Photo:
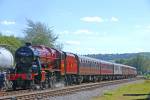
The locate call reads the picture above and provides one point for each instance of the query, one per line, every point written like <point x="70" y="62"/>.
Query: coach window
<point x="80" y="62"/>
<point x="96" y="65"/>
<point x="111" y="66"/>
<point x="83" y="63"/>
<point x="88" y="63"/>
<point x="93" y="63"/>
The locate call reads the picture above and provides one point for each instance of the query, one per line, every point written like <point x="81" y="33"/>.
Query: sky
<point x="84" y="26"/>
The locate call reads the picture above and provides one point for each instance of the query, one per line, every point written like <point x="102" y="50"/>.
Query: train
<point x="39" y="66"/>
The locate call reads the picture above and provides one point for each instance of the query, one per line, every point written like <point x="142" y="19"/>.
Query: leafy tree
<point x="138" y="62"/>
<point x="121" y="61"/>
<point x="39" y="34"/>
<point x="10" y="42"/>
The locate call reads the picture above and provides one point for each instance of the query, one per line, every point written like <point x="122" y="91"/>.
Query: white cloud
<point x="7" y="22"/>
<point x="92" y="50"/>
<point x="92" y="19"/>
<point x="137" y="26"/>
<point x="7" y="32"/>
<point x="78" y="32"/>
<point x="139" y="49"/>
<point x="114" y="19"/>
<point x="148" y="26"/>
<point x="65" y="32"/>
<point x="98" y="19"/>
<point x="147" y="30"/>
<point x="83" y="31"/>
<point x="72" y="42"/>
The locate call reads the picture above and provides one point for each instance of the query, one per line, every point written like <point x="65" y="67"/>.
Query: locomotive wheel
<point x="52" y="82"/>
<point x="66" y="81"/>
<point x="95" y="79"/>
<point x="46" y="84"/>
<point x="33" y="87"/>
<point x="42" y="85"/>
<point x="14" y="85"/>
<point x="7" y="85"/>
<point x="79" y="80"/>
<point x="27" y="84"/>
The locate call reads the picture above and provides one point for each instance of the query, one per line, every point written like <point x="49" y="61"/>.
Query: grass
<point x="137" y="88"/>
<point x="147" y="76"/>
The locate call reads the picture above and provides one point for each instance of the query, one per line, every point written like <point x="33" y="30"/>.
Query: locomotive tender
<point x="41" y="66"/>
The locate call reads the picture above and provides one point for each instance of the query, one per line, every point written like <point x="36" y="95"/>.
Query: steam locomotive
<point x="43" y="67"/>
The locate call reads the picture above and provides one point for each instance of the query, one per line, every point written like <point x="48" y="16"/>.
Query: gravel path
<point x="88" y="95"/>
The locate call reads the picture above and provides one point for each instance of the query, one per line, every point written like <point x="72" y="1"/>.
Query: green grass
<point x="147" y="76"/>
<point x="137" y="88"/>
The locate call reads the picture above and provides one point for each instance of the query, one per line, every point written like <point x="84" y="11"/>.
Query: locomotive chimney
<point x="28" y="44"/>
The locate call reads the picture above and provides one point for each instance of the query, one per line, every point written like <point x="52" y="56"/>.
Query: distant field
<point x="137" y="91"/>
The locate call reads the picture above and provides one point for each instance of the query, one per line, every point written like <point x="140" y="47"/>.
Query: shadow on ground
<point x="148" y="98"/>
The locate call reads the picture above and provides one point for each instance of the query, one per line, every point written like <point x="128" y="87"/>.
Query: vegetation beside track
<point x="137" y="91"/>
<point x="147" y="76"/>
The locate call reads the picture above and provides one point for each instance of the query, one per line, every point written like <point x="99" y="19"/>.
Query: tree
<point x="10" y="42"/>
<point x="121" y="61"/>
<point x="138" y="62"/>
<point x="39" y="34"/>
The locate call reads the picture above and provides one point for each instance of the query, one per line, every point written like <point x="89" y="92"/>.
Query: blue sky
<point x="84" y="26"/>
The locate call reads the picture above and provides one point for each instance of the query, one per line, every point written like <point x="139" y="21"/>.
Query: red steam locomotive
<point x="43" y="67"/>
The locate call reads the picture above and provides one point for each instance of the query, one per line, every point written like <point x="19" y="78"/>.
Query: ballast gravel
<point x="88" y="95"/>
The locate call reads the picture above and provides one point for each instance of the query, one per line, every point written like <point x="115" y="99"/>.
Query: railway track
<point x="34" y="95"/>
<point x="6" y="93"/>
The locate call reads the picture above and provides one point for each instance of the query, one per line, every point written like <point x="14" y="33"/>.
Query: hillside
<point x="112" y="57"/>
